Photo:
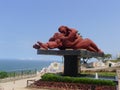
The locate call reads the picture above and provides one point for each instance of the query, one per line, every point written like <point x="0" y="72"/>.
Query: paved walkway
<point x="18" y="84"/>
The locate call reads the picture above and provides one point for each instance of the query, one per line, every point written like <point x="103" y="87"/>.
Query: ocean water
<point x="14" y="65"/>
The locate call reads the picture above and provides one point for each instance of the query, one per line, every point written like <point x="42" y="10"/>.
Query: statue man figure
<point x="68" y="38"/>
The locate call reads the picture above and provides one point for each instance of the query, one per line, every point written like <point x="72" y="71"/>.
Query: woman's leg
<point x="36" y="46"/>
<point x="51" y="45"/>
<point x="43" y="45"/>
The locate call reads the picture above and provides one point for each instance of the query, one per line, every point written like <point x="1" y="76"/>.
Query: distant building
<point x="118" y="64"/>
<point x="96" y="64"/>
<point x="110" y="64"/>
<point x="55" y="67"/>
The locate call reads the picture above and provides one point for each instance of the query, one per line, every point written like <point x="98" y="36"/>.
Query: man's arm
<point x="72" y="34"/>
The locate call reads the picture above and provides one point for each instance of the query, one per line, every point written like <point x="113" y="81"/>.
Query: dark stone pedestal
<point x="71" y="58"/>
<point x="71" y="65"/>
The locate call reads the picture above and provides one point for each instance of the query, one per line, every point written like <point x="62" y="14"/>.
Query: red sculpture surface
<point x="68" y="38"/>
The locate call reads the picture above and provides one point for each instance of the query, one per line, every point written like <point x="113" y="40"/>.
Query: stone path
<point x="18" y="84"/>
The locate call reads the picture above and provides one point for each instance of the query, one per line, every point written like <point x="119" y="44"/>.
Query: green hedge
<point x="3" y="74"/>
<point x="58" y="78"/>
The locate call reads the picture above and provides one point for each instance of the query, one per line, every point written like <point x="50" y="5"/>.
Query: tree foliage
<point x="3" y="74"/>
<point x="106" y="57"/>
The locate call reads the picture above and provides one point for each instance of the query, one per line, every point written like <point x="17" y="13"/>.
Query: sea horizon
<point x="26" y="64"/>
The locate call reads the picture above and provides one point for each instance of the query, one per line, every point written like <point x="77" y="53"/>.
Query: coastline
<point x="17" y="65"/>
<point x="21" y="84"/>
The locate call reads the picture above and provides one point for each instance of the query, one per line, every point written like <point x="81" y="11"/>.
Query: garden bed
<point x="69" y="86"/>
<point x="53" y="81"/>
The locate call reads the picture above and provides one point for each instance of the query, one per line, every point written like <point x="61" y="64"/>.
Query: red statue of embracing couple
<point x="68" y="38"/>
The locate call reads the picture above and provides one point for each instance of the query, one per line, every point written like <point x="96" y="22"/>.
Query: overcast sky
<point x="23" y="22"/>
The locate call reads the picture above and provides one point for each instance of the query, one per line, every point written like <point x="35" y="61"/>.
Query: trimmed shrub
<point x="50" y="77"/>
<point x="58" y="78"/>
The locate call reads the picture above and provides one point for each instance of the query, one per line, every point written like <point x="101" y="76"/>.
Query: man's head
<point x="63" y="29"/>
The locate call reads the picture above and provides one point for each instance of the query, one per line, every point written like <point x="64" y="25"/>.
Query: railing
<point x="19" y="74"/>
<point x="29" y="82"/>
